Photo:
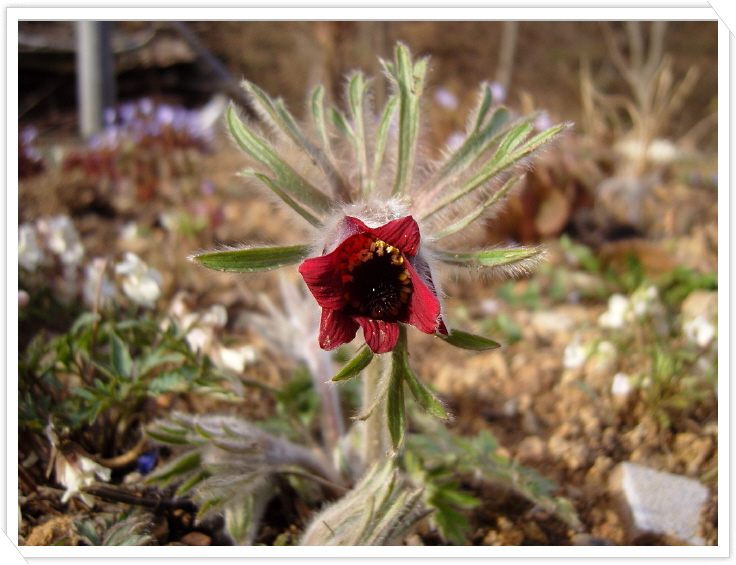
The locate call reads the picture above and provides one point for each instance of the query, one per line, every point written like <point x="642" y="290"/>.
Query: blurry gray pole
<point x="95" y="75"/>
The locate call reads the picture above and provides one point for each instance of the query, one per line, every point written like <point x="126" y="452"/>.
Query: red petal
<point x="402" y="233"/>
<point x="323" y="279"/>
<point x="381" y="336"/>
<point x="354" y="225"/>
<point x="336" y="328"/>
<point x="424" y="307"/>
<point x="345" y="228"/>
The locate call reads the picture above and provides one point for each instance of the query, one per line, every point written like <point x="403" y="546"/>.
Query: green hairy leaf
<point x="252" y="260"/>
<point x="409" y="81"/>
<point x="465" y="340"/>
<point x="355" y="365"/>
<point x="286" y="178"/>
<point x="491" y="257"/>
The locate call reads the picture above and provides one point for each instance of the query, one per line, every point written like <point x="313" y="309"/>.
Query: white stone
<point x="660" y="503"/>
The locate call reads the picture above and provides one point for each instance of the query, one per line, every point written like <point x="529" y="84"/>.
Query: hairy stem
<point x="375" y="443"/>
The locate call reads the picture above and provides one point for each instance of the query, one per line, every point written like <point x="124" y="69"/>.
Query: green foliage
<point x="671" y="386"/>
<point x="126" y="529"/>
<point x="502" y="324"/>
<point x="677" y="284"/>
<point x="439" y="460"/>
<point x="442" y="493"/>
<point x="674" y="286"/>
<point x="674" y="375"/>
<point x="530" y="297"/>
<point x="297" y="408"/>
<point x="105" y="367"/>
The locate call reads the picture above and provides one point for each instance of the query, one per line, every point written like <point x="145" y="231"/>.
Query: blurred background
<point x="625" y="203"/>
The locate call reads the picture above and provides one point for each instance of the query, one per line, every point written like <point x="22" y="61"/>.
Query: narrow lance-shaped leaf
<point x="342" y="125"/>
<point x="186" y="486"/>
<point x="252" y="260"/>
<point x="381" y="137"/>
<point x="504" y="158"/>
<point x="409" y="80"/>
<point x="174" y="469"/>
<point x="479" y="139"/>
<point x="395" y="408"/>
<point x="283" y="119"/>
<point x="122" y="362"/>
<point x="355" y="365"/>
<point x="475" y="145"/>
<point x="491" y="257"/>
<point x="499" y="162"/>
<point x="381" y="391"/>
<point x="363" y="526"/>
<point x="465" y="340"/>
<point x="486" y="99"/>
<point x="318" y="116"/>
<point x="356" y="102"/>
<point x="424" y="398"/>
<point x="478" y="211"/>
<point x="507" y="157"/>
<point x="289" y="181"/>
<point x="298" y="208"/>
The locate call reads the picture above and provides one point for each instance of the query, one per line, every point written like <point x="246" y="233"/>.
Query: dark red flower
<point x="374" y="279"/>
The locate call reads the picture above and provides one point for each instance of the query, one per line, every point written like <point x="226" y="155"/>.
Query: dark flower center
<point x="375" y="281"/>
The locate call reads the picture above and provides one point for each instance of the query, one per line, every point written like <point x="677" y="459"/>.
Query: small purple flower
<point x="498" y="91"/>
<point x="446" y="99"/>
<point x="146" y="462"/>
<point x="109" y="116"/>
<point x="166" y="114"/>
<point x="128" y="113"/>
<point x="146" y="106"/>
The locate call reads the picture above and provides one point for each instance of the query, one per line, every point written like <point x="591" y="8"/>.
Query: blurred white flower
<point x="658" y="151"/>
<point x="78" y="472"/>
<point x="30" y="254"/>
<point x="615" y="316"/>
<point x="643" y="303"/>
<point x="23" y="298"/>
<point x="94" y="278"/>
<point x="235" y="359"/>
<point x="141" y="283"/>
<point x="621" y="385"/>
<point x="62" y="238"/>
<point x="73" y="470"/>
<point x="200" y="340"/>
<point x="130" y="231"/>
<point x="644" y="300"/>
<point x="574" y="355"/>
<point x="699" y="330"/>
<point x="200" y="327"/>
<point x="215" y="316"/>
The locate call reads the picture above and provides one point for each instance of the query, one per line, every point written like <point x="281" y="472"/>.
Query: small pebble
<point x="196" y="538"/>
<point x="653" y="502"/>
